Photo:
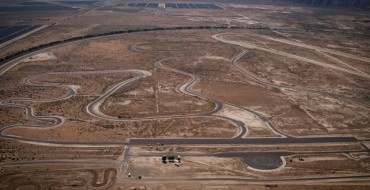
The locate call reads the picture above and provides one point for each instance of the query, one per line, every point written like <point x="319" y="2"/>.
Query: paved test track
<point x="186" y="89"/>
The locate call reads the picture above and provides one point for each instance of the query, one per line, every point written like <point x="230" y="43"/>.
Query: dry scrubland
<point x="310" y="79"/>
<point x="293" y="112"/>
<point x="218" y="167"/>
<point x="143" y="96"/>
<point x="13" y="151"/>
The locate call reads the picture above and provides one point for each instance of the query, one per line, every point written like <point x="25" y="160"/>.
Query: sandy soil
<point x="63" y="174"/>
<point x="255" y="127"/>
<point x="41" y="57"/>
<point x="217" y="167"/>
<point x="157" y="95"/>
<point x="323" y="50"/>
<point x="89" y="130"/>
<point x="14" y="116"/>
<point x="14" y="151"/>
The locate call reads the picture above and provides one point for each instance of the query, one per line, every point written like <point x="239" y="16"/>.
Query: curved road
<point x="260" y="81"/>
<point x="93" y="109"/>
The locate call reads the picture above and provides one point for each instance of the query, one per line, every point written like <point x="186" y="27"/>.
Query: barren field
<point x="211" y="167"/>
<point x="253" y="95"/>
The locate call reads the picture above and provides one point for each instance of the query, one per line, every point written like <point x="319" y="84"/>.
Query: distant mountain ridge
<point x="331" y="3"/>
<point x="311" y="3"/>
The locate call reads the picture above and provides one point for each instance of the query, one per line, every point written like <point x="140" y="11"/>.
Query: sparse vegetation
<point x="249" y="87"/>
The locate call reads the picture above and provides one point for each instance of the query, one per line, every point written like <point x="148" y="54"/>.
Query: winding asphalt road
<point x="260" y="81"/>
<point x="220" y="37"/>
<point x="271" y="160"/>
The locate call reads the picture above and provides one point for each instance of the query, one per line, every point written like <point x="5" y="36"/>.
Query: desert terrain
<point x="185" y="95"/>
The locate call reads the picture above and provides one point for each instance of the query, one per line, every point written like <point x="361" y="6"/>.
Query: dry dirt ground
<point x="306" y="76"/>
<point x="212" y="167"/>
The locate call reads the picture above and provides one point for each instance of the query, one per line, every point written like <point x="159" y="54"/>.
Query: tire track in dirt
<point x="220" y="37"/>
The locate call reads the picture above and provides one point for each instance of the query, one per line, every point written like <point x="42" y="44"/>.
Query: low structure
<point x="171" y="159"/>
